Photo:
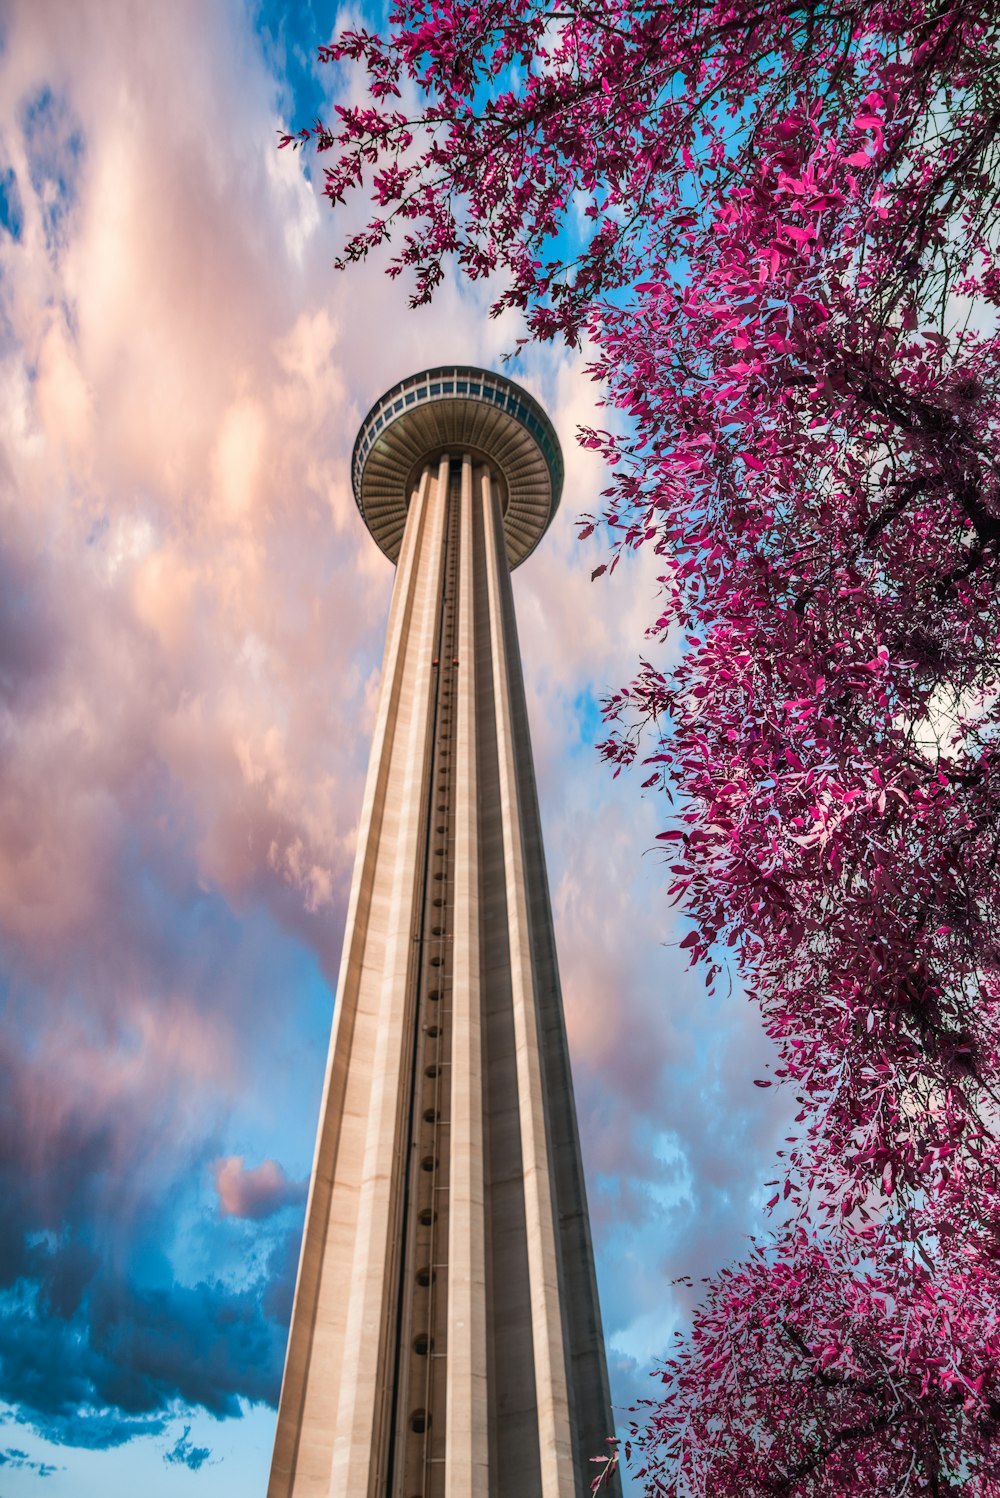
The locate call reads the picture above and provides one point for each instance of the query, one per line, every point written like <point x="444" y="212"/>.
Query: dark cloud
<point x="20" y="1461"/>
<point x="11" y="212"/>
<point x="183" y="1454"/>
<point x="54" y="146"/>
<point x="135" y="1350"/>
<point x="29" y="625"/>
<point x="282" y="1269"/>
<point x="132" y="1351"/>
<point x="99" y="1341"/>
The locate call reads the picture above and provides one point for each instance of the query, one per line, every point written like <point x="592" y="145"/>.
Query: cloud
<point x="19" y="1461"/>
<point x="183" y="1453"/>
<point x="100" y="1338"/>
<point x="136" y="1350"/>
<point x="255" y="1193"/>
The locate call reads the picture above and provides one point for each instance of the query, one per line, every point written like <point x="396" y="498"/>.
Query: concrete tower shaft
<point x="446" y="1338"/>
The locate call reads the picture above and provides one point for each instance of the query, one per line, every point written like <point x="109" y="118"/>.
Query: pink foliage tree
<point x="777" y="232"/>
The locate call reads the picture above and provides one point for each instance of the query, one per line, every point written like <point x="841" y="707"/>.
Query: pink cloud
<point x="255" y="1193"/>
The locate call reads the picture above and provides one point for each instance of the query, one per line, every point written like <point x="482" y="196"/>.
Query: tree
<point x="787" y="277"/>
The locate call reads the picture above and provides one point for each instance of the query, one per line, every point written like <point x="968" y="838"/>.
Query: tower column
<point x="445" y="1338"/>
<point x="554" y="1434"/>
<point x="467" y="1468"/>
<point x="379" y="1206"/>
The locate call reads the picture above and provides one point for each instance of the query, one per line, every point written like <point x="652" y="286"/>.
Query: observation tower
<point x="446" y="1336"/>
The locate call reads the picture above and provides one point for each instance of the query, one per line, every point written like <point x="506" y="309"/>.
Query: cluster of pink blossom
<point x="806" y="1372"/>
<point x="789" y="279"/>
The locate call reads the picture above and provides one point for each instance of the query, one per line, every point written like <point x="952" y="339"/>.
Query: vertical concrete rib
<point x="590" y="1400"/>
<point x="418" y="1436"/>
<point x="513" y="1426"/>
<point x="358" y="1438"/>
<point x="310" y="1386"/>
<point x="467" y="1460"/>
<point x="554" y="1423"/>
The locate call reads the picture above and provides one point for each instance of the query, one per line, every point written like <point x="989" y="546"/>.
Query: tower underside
<point x="446" y="1335"/>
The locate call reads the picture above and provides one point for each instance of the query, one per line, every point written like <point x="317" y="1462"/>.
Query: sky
<point x="191" y="624"/>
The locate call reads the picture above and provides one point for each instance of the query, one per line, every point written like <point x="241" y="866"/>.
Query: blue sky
<point x="191" y="621"/>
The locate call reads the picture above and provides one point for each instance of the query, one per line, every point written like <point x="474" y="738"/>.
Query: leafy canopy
<point x="776" y="228"/>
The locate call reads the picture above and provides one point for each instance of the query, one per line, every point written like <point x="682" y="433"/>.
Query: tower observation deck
<point x="446" y="1337"/>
